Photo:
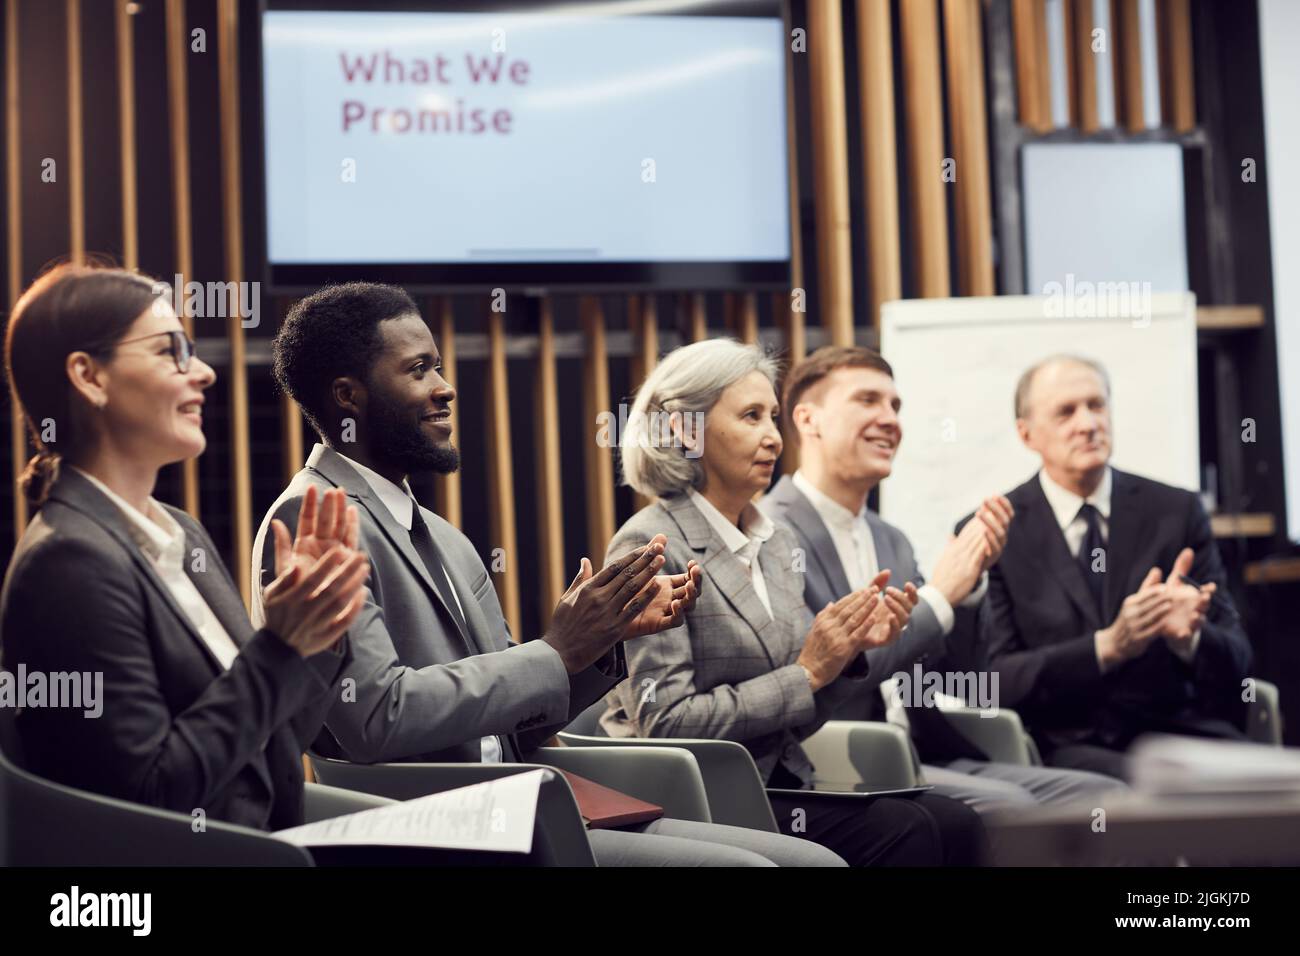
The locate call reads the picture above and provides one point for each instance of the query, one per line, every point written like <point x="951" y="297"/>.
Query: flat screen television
<point x="607" y="145"/>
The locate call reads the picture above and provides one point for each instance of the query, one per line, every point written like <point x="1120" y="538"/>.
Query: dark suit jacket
<point x="424" y="690"/>
<point x="922" y="641"/>
<point x="1038" y="623"/>
<point x="177" y="731"/>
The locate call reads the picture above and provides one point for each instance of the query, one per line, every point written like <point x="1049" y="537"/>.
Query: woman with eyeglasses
<point x="193" y="710"/>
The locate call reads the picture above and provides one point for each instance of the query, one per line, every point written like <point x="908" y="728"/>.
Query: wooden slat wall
<point x="550" y="503"/>
<point x="968" y="121"/>
<point x="14" y="242"/>
<point x="447" y="487"/>
<point x="233" y="233"/>
<point x="830" y="149"/>
<point x="1129" y="90"/>
<point x="501" y="495"/>
<point x="924" y="111"/>
<point x="1177" y="84"/>
<point x="880" y="163"/>
<point x="76" y="147"/>
<point x="643" y="321"/>
<point x="1084" y="74"/>
<point x="1031" y="64"/>
<point x="178" y="114"/>
<point x="599" y="462"/>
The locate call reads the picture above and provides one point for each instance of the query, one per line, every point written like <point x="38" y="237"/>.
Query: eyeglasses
<point x="181" y="345"/>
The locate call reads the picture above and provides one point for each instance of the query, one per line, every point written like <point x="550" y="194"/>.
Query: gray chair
<point x="843" y="752"/>
<point x="1004" y="739"/>
<point x="43" y="823"/>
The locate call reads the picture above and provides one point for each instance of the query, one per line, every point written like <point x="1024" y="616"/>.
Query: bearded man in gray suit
<point x="841" y="405"/>
<point x="434" y="674"/>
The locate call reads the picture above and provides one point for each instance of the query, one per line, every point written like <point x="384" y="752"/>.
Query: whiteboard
<point x="956" y="363"/>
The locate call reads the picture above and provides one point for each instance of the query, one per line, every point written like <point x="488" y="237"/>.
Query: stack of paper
<point x="497" y="815"/>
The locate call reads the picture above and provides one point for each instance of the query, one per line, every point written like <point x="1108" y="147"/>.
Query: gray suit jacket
<point x="729" y="671"/>
<point x="424" y="690"/>
<point x="922" y="640"/>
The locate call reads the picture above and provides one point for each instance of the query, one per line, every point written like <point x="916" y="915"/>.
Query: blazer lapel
<point x="331" y="466"/>
<point x="219" y="594"/>
<point x="1047" y="540"/>
<point x="808" y="524"/>
<point x="1126" y="532"/>
<point x="885" y="556"/>
<point x="76" y="492"/>
<point x="724" y="569"/>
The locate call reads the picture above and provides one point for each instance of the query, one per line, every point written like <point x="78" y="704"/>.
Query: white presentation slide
<point x="555" y="137"/>
<point x="1279" y="34"/>
<point x="957" y="361"/>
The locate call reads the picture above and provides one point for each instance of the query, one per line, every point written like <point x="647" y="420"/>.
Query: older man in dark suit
<point x="1093" y="643"/>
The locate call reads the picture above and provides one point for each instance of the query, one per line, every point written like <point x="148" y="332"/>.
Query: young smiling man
<point x="1094" y="647"/>
<point x="841" y="406"/>
<point x="434" y="675"/>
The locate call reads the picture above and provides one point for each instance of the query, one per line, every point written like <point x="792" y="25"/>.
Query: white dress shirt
<point x="1065" y="506"/>
<point x="744" y="541"/>
<point x="162" y="540"/>
<point x="401" y="505"/>
<point x="856" y="546"/>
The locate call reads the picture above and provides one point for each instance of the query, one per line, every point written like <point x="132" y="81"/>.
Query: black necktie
<point x="428" y="552"/>
<point x="1092" y="549"/>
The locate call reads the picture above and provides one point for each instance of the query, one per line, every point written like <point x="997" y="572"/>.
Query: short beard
<point x="396" y="439"/>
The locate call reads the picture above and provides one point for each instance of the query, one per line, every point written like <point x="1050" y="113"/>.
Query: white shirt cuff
<point x="973" y="599"/>
<point x="1188" y="651"/>
<point x="932" y="596"/>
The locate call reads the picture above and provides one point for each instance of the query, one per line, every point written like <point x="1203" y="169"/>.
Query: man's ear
<point x="1022" y="429"/>
<point x="88" y="377"/>
<point x="804" y="418"/>
<point x="348" y="395"/>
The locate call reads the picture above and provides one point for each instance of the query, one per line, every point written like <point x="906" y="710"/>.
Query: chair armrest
<point x="731" y="780"/>
<point x="324" y="803"/>
<point x="862" y="751"/>
<point x="999" y="734"/>
<point x="559" y="839"/>
<point x="665" y="776"/>
<point x="1264" y="715"/>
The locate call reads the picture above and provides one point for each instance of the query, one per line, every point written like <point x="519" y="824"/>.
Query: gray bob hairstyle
<point x="683" y="388"/>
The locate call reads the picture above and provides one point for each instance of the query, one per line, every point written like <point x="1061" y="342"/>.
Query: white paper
<point x="496" y="815"/>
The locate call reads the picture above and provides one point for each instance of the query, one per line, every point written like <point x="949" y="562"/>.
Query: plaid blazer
<point x="728" y="672"/>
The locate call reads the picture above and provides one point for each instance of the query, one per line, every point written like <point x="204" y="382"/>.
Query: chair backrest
<point x="43" y="823"/>
<point x="587" y="723"/>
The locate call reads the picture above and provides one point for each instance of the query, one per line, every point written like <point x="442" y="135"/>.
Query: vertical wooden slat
<point x="14" y="244"/>
<point x="1130" y="66"/>
<point x="747" y="318"/>
<point x="924" y="109"/>
<point x="831" y="169"/>
<point x="599" y="461"/>
<point x="126" y="133"/>
<point x="446" y="488"/>
<point x="789" y="321"/>
<point x="969" y="125"/>
<point x="697" y="317"/>
<point x="501" y="496"/>
<point x="1085" y="66"/>
<point x="1177" y="85"/>
<point x="643" y="320"/>
<point x="879" y="153"/>
<point x="292" y="454"/>
<point x="550" y="501"/>
<point x="1071" y="66"/>
<point x="1031" y="64"/>
<point x="233" y="230"/>
<point x="76" y="140"/>
<point x="178" y="114"/>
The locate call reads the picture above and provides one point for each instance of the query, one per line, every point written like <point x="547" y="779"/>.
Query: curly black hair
<point x="331" y="333"/>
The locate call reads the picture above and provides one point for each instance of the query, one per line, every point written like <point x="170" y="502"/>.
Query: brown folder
<point x="605" y="809"/>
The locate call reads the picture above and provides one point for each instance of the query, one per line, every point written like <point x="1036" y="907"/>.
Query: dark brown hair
<point x="71" y="308"/>
<point x="812" y="371"/>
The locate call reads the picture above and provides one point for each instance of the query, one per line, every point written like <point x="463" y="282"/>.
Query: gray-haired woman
<point x="751" y="663"/>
